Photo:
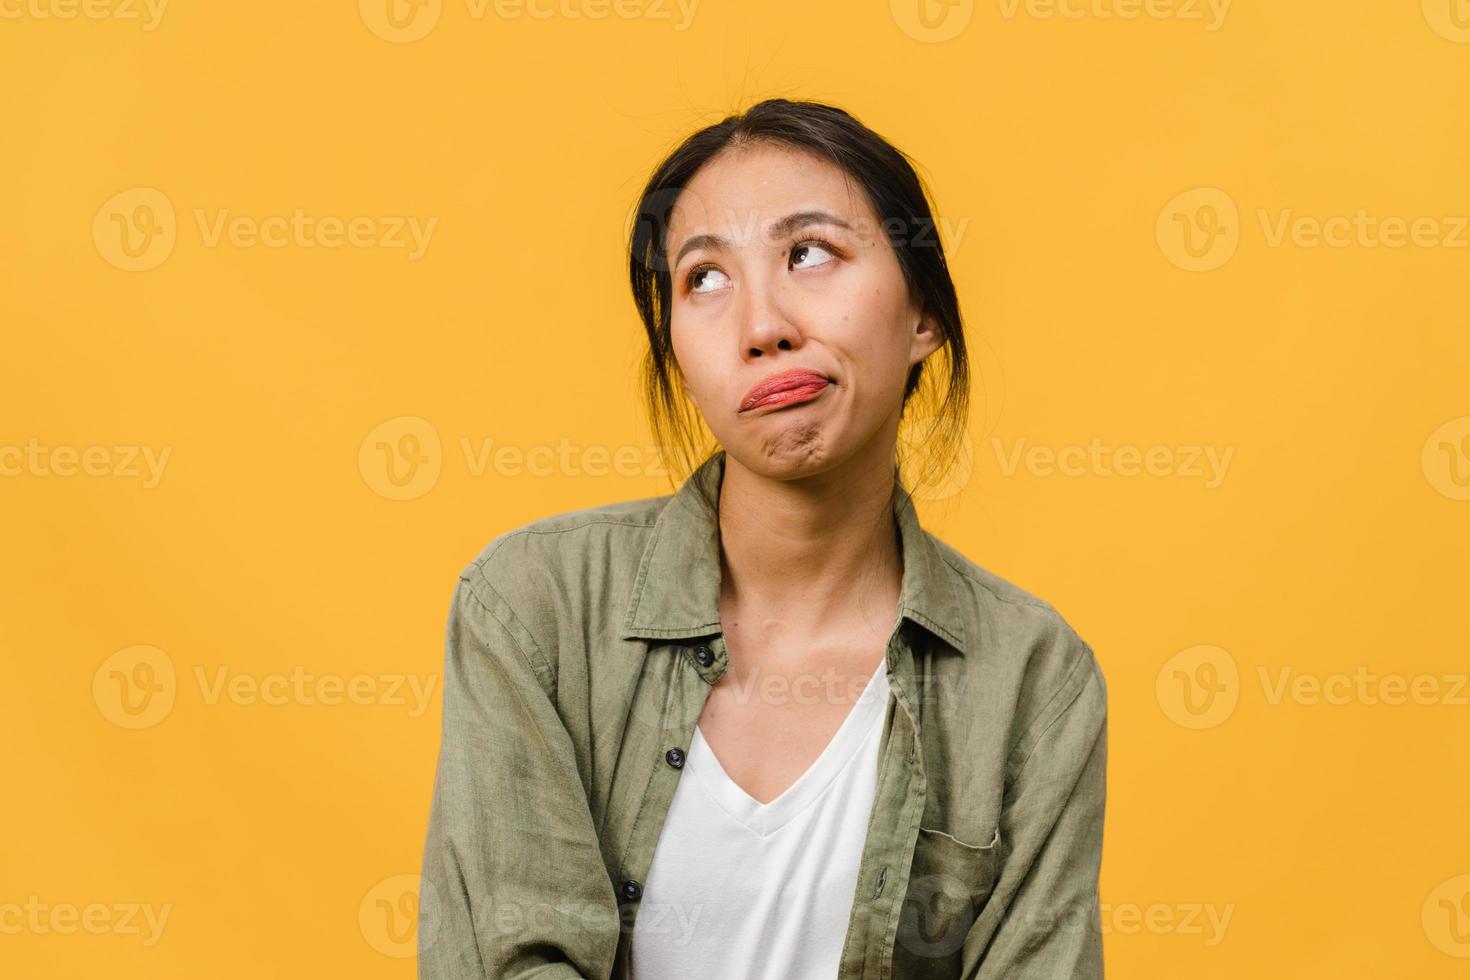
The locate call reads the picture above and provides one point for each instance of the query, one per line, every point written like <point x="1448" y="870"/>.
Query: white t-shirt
<point x="744" y="890"/>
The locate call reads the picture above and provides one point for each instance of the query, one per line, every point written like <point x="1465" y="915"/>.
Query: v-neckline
<point x="764" y="819"/>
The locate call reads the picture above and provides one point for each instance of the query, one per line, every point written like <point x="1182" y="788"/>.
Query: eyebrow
<point x="791" y="223"/>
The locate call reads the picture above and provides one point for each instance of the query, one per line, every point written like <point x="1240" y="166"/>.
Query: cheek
<point x="687" y="362"/>
<point x="874" y="337"/>
<point x="872" y="322"/>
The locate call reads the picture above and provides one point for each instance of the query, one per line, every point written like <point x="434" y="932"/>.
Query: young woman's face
<point x="780" y="265"/>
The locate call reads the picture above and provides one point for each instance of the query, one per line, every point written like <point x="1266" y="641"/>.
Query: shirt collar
<point x="676" y="593"/>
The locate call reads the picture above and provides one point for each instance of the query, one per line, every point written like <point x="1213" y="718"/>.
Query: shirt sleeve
<point x="513" y="882"/>
<point x="1044" y="920"/>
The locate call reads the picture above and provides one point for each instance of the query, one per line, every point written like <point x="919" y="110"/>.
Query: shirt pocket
<point x="949" y="884"/>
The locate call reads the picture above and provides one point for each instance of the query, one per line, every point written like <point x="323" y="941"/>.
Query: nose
<point x="765" y="326"/>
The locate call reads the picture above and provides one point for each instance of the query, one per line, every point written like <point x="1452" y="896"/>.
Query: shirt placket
<point x="893" y="829"/>
<point x="687" y="673"/>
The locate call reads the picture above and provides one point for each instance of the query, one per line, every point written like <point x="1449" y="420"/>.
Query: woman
<point x="768" y="726"/>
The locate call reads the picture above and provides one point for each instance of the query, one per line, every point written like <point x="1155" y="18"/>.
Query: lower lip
<point x="791" y="396"/>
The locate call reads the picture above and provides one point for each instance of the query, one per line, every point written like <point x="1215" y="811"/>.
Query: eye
<point x="807" y="255"/>
<point x="815" y="248"/>
<point x="699" y="278"/>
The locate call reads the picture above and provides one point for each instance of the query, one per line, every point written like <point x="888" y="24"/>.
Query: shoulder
<point x="535" y="566"/>
<point x="1024" y="642"/>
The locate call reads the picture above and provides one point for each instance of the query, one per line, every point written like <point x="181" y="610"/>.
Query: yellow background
<point x="1332" y="835"/>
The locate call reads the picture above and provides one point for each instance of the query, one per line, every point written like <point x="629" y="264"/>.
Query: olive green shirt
<point x="580" y="651"/>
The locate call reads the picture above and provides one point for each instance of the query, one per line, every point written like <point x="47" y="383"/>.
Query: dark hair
<point x="898" y="199"/>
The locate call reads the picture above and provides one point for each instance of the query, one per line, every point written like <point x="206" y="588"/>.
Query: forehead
<point x="742" y="188"/>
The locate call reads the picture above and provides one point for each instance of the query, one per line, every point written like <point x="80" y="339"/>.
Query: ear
<point x="927" y="336"/>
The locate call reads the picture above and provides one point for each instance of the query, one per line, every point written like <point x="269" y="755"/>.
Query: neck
<point x="799" y="557"/>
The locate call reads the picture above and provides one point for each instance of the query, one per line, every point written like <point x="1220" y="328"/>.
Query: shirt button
<point x="675" y="757"/>
<point x="703" y="655"/>
<point x="631" y="890"/>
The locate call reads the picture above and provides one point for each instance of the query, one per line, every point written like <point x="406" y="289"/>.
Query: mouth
<point x="785" y="388"/>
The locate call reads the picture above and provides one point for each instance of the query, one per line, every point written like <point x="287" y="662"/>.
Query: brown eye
<point x="814" y="250"/>
<point x="699" y="279"/>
